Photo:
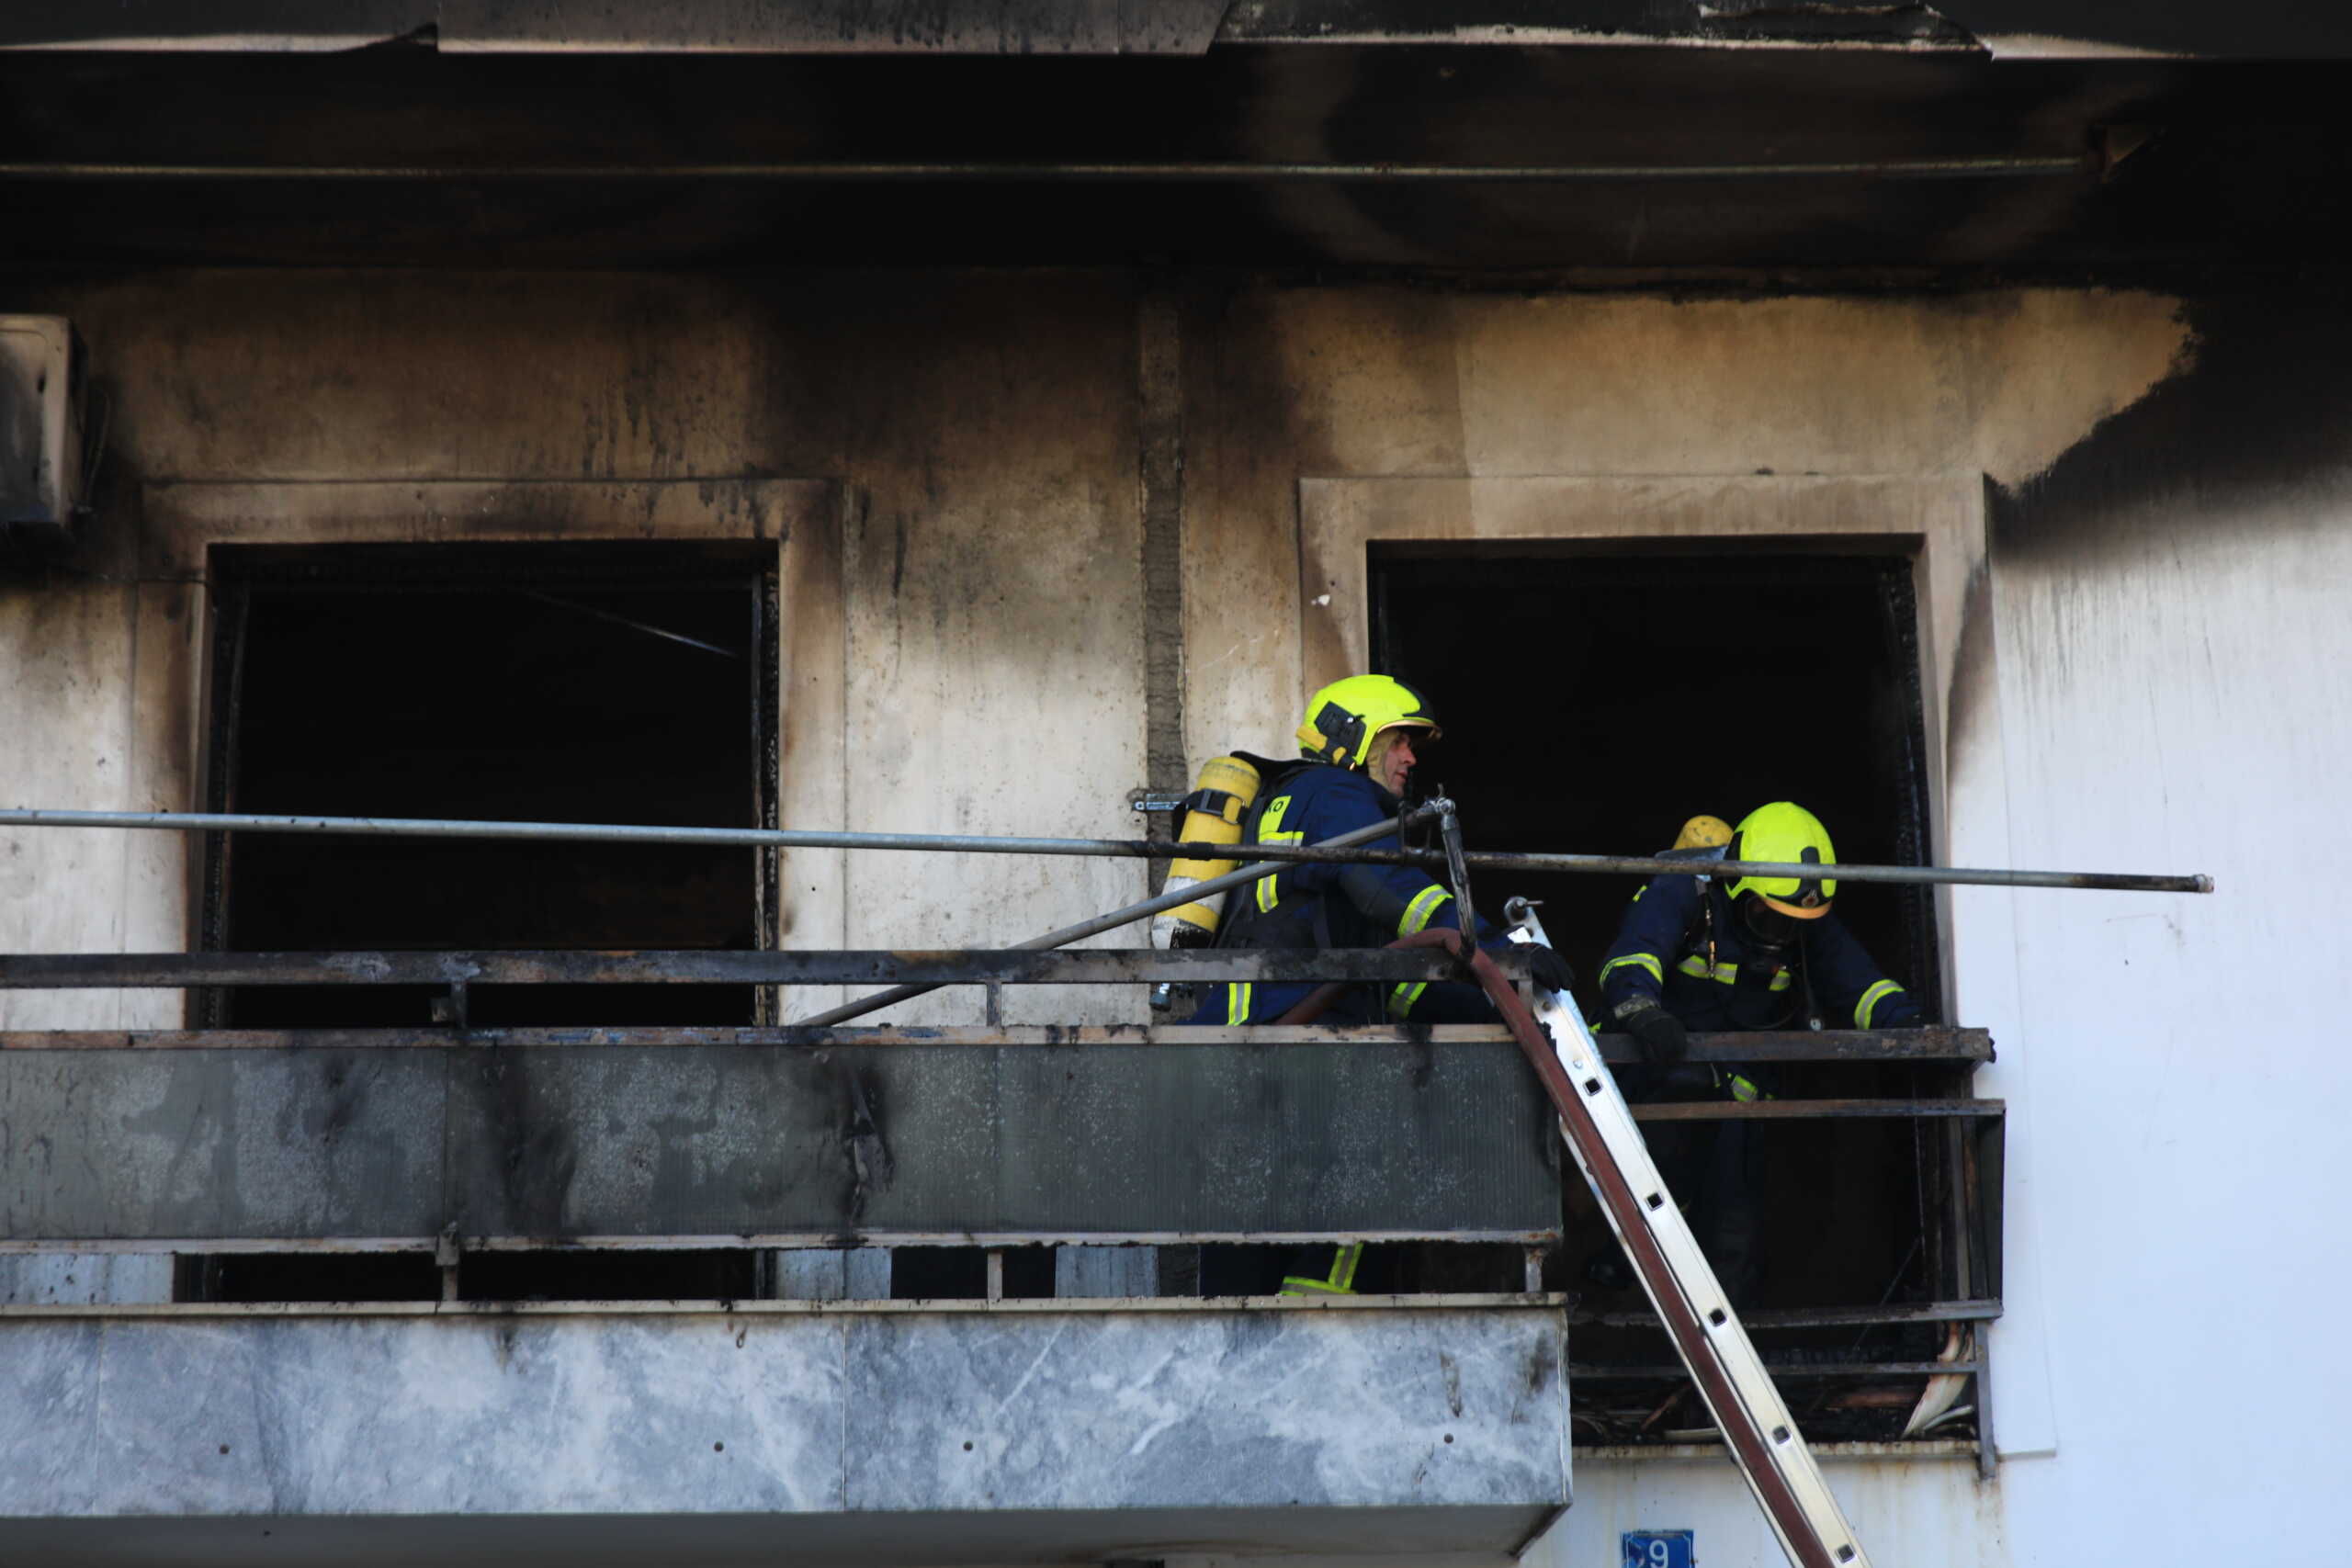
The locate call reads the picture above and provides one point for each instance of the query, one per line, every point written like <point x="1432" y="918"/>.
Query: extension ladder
<point x="1601" y="1133"/>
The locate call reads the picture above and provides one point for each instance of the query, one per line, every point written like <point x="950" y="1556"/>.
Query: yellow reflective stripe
<point x="1344" y="1267"/>
<point x="1340" y="1282"/>
<point x="1270" y="832"/>
<point x="1417" y="913"/>
<point x="1269" y="887"/>
<point x="1871" y="999"/>
<point x="1237" y="1002"/>
<point x="1643" y="959"/>
<point x="1272" y="821"/>
<point x="1696" y="967"/>
<point x="1401" y="999"/>
<point x="1742" y="1086"/>
<point x="1268" y="894"/>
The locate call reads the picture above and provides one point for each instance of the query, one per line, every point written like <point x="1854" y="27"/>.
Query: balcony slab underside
<point x="878" y="1437"/>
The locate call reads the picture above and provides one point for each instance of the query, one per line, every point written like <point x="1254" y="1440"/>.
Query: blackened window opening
<point x="555" y="682"/>
<point x="539" y="1274"/>
<point x="1592" y="701"/>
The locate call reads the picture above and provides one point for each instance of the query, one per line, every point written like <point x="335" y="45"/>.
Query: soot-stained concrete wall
<point x="2142" y="672"/>
<point x="1367" y="382"/>
<point x="978" y="603"/>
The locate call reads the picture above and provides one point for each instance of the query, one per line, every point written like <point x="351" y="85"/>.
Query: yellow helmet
<point x="1344" y="717"/>
<point x="1703" y="832"/>
<point x="1788" y="832"/>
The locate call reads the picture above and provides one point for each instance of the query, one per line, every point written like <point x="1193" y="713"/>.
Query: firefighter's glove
<point x="1659" y="1033"/>
<point x="1547" y="968"/>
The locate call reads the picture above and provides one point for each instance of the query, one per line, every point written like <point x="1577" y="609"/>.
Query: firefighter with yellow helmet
<point x="1359" y="743"/>
<point x="1693" y="952"/>
<point x="1760" y="953"/>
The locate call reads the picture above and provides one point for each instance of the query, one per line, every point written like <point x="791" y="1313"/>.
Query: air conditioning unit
<point x="40" y="430"/>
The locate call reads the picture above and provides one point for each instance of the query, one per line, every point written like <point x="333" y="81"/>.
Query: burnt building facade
<point x="902" y="420"/>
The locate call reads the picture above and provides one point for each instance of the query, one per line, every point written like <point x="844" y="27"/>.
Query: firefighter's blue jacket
<point x="1662" y="952"/>
<point x="1320" y="904"/>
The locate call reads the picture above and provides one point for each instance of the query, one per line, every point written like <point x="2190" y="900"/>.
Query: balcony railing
<point x="800" y="1141"/>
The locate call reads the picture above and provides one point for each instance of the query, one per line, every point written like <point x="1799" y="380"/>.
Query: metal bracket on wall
<point x="447" y="1255"/>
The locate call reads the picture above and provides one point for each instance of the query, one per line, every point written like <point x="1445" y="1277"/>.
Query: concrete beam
<point x="878" y="1437"/>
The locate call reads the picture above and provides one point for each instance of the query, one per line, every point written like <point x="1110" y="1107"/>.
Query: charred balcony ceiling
<point x="1485" y="154"/>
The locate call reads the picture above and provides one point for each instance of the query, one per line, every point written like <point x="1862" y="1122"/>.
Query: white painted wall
<point x="2175" y="690"/>
<point x="2174" y="695"/>
<point x="1909" y="1513"/>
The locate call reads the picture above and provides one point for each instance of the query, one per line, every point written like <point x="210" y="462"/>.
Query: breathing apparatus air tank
<point x="1213" y="815"/>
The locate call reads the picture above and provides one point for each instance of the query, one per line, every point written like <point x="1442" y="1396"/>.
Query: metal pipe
<point x="1819" y="1317"/>
<point x="1816" y="1110"/>
<point x="600" y="833"/>
<point x="1781" y="1369"/>
<point x="1159" y="172"/>
<point x="1152" y="905"/>
<point x="1651" y="865"/>
<point x="944" y="967"/>
<point x="1457" y="870"/>
<point x="1336" y="851"/>
<point x="1952" y="1046"/>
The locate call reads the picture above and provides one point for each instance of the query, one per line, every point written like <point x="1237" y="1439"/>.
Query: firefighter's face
<point x="1392" y="766"/>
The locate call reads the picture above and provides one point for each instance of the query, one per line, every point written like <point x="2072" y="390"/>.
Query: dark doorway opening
<point x="624" y="684"/>
<point x="1594" y="699"/>
<point x="1594" y="702"/>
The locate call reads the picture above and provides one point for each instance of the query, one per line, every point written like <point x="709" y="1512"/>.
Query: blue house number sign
<point x="1659" y="1549"/>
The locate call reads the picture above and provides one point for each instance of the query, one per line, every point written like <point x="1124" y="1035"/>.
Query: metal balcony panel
<point x="302" y="1146"/>
<point x="116" y="1145"/>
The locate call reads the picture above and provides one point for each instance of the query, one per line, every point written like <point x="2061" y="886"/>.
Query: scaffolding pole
<point x="1172" y="899"/>
<point x="1342" y="850"/>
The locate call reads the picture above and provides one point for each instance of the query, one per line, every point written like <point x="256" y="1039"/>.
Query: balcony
<point x="1091" y="1389"/>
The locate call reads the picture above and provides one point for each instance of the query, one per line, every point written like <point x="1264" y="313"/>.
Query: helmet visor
<point x="1769" y="921"/>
